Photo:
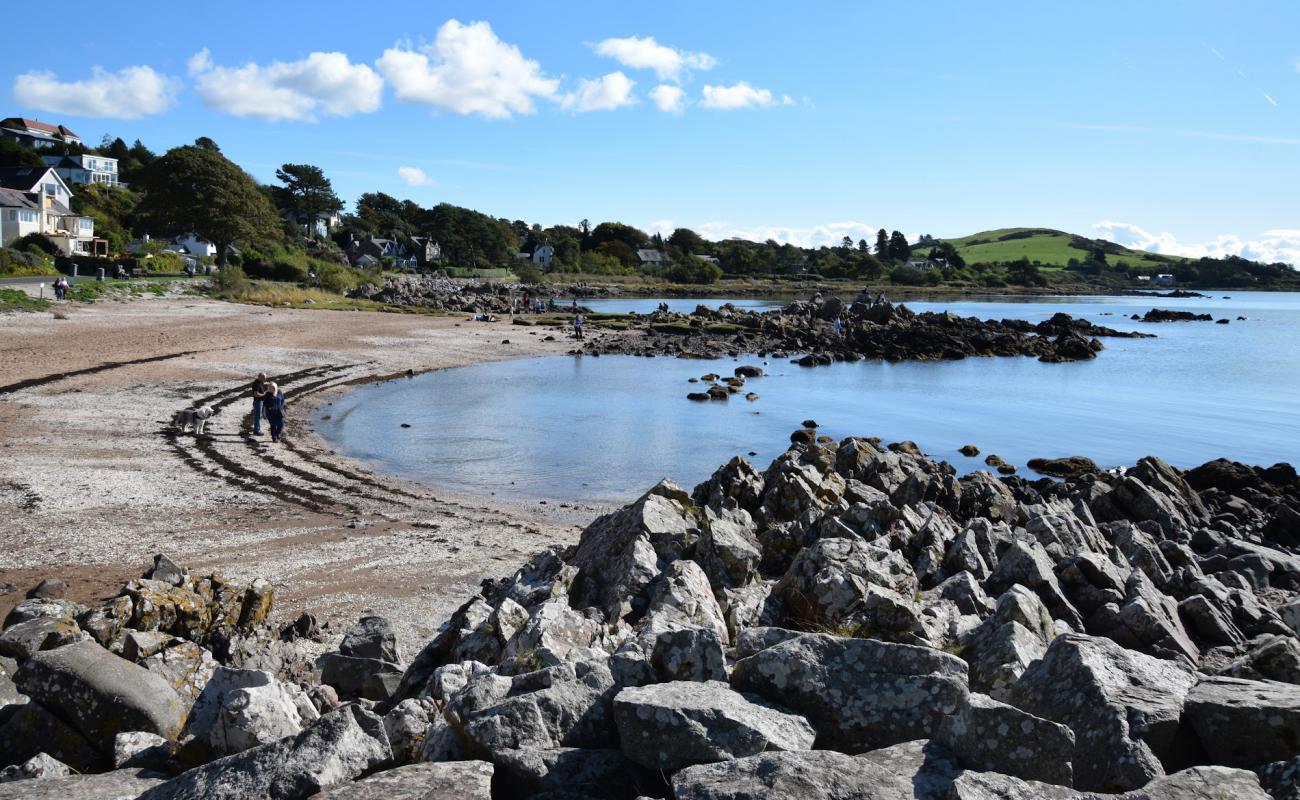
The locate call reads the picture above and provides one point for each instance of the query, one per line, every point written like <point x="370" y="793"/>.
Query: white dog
<point x="196" y="418"/>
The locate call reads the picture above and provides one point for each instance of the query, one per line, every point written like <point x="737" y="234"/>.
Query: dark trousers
<point x="277" y="425"/>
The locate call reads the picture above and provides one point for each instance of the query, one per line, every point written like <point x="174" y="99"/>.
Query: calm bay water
<point x="607" y="428"/>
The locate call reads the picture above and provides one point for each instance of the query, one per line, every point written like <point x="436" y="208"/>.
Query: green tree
<point x="198" y="190"/>
<point x="899" y="250"/>
<point x="13" y="154"/>
<point x="882" y="244"/>
<point x="307" y="191"/>
<point x="688" y="241"/>
<point x="205" y="143"/>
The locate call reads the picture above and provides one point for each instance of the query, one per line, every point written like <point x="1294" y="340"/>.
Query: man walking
<point x="260" y="388"/>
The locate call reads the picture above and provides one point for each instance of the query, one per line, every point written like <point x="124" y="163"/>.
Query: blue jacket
<point x="274" y="404"/>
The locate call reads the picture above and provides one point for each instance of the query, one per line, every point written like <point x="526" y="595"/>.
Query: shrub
<point x="907" y="276"/>
<point x="231" y="281"/>
<point x="338" y="278"/>
<point x="526" y="272"/>
<point x="693" y="271"/>
<point x="37" y="240"/>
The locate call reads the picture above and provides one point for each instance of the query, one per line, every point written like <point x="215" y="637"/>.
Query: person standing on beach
<point x="577" y="326"/>
<point x="259" y="402"/>
<point x="274" y="402"/>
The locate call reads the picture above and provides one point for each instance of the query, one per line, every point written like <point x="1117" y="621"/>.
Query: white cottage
<point x="41" y="190"/>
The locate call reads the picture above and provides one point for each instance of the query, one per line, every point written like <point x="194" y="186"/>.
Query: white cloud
<point x="126" y="94"/>
<point x="601" y="94"/>
<point x="740" y="95"/>
<point x="669" y="98"/>
<point x="320" y="84"/>
<point x="1270" y="246"/>
<point x="414" y="176"/>
<point x="830" y="234"/>
<point x="467" y="70"/>
<point x="669" y="63"/>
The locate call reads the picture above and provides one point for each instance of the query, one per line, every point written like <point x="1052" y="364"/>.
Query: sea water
<point x="606" y="428"/>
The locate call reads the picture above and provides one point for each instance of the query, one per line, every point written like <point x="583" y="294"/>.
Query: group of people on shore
<point x="268" y="403"/>
<point x="61" y="288"/>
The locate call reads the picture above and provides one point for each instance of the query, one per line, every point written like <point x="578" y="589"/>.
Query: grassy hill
<point x="1048" y="247"/>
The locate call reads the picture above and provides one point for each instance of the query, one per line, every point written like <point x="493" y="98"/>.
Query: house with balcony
<point x="42" y="191"/>
<point x="36" y="134"/>
<point x="85" y="169"/>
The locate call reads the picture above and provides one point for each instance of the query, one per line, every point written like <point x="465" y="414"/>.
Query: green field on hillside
<point x="1050" y="247"/>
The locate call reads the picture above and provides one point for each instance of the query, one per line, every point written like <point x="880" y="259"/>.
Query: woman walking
<point x="274" y="405"/>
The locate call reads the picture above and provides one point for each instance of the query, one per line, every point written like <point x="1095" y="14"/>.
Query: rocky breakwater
<point x="851" y="622"/>
<point x="439" y="293"/>
<point x="822" y="331"/>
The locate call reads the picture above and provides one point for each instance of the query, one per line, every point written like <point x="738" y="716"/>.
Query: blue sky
<point x="1173" y="126"/>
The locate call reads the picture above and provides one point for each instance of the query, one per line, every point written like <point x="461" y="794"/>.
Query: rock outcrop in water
<point x="1167" y="315"/>
<point x="438" y="293"/>
<point x="852" y="622"/>
<point x="884" y="331"/>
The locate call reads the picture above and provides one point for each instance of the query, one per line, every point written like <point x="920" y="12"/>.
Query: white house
<point x="544" y="255"/>
<point x="37" y="134"/>
<point x="43" y="191"/>
<point x="1165" y="279"/>
<point x="85" y="169"/>
<point x="321" y="224"/>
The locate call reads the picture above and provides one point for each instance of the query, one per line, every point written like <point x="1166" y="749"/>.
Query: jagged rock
<point x="751" y="640"/>
<point x="553" y="634"/>
<point x="39" y="766"/>
<point x="406" y="725"/>
<point x="1207" y="622"/>
<point x="39" y="607"/>
<point x="564" y="706"/>
<point x="1243" y="723"/>
<point x="736" y="481"/>
<point x="9" y="694"/>
<point x="682" y="597"/>
<point x="1005" y="644"/>
<point x="1273" y="658"/>
<point x="23" y="640"/>
<point x="859" y="694"/>
<point x="689" y="654"/>
<point x="101" y="694"/>
<point x="585" y="773"/>
<point x="360" y="677"/>
<point x="462" y="780"/>
<point x="337" y="748"/>
<point x="807" y="775"/>
<point x="671" y="725"/>
<point x="241" y="709"/>
<point x="1028" y="564"/>
<point x="132" y="746"/>
<point x="1122" y="706"/>
<point x="185" y="666"/>
<point x="371" y="637"/>
<point x="1148" y="622"/>
<point x="1198" y="783"/>
<point x="1281" y="779"/>
<point x="794" y="484"/>
<point x="166" y="570"/>
<point x="117" y="785"/>
<point x="728" y="549"/>
<point x="828" y="580"/>
<point x="620" y="553"/>
<point x="995" y="737"/>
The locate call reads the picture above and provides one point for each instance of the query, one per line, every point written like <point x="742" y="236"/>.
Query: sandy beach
<point x="93" y="482"/>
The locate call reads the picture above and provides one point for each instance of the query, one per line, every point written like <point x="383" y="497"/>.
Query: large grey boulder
<point x="39" y="766"/>
<point x="1198" y="783"/>
<point x="859" y="694"/>
<point x="29" y="729"/>
<point x="828" y="581"/>
<point x="995" y="737"/>
<point x="584" y="772"/>
<point x="185" y="666"/>
<point x="1123" y="707"/>
<point x="21" y="641"/>
<point x="1271" y="658"/>
<point x="368" y="678"/>
<point x="101" y="694"/>
<point x="122" y="784"/>
<point x="565" y="706"/>
<point x="620" y="553"/>
<point x="339" y="747"/>
<point x="680" y="598"/>
<point x="1243" y="723"/>
<point x="371" y="637"/>
<point x="1004" y="645"/>
<point x="554" y="634"/>
<point x="243" y="708"/>
<point x="728" y="549"/>
<point x="807" y="775"/>
<point x="454" y="780"/>
<point x="667" y="726"/>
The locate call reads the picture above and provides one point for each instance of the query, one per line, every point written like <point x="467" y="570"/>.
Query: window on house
<point x="25" y="216"/>
<point x="13" y="215"/>
<point x="51" y="188"/>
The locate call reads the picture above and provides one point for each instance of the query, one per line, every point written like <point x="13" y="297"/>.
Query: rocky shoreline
<point x="824" y="330"/>
<point x="855" y="621"/>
